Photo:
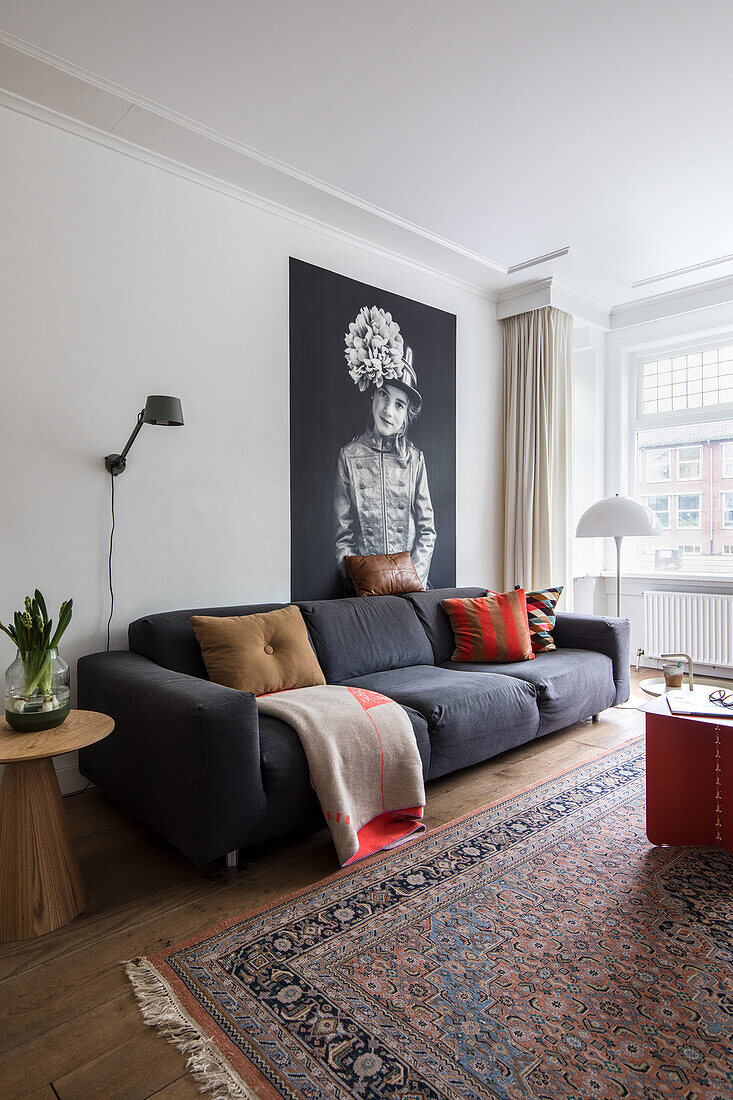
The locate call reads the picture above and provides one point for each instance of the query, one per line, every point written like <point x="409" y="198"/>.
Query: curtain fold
<point x="538" y="450"/>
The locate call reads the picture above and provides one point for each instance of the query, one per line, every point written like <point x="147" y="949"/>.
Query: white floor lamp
<point x="616" y="517"/>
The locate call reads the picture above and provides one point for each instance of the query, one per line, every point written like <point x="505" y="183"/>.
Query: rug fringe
<point x="161" y="1009"/>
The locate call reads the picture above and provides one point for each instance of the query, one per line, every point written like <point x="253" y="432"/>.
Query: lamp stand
<point x="618" y="539"/>
<point x="116" y="463"/>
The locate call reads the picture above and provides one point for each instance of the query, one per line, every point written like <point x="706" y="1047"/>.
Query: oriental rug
<point x="539" y="948"/>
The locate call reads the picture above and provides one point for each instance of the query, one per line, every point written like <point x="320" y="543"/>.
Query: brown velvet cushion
<point x="259" y="653"/>
<point x="383" y="574"/>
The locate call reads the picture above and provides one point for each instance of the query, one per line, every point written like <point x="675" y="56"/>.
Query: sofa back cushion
<point x="259" y="653"/>
<point x="354" y="637"/>
<point x="169" y="640"/>
<point x="436" y="623"/>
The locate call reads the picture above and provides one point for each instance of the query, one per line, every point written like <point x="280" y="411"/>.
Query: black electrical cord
<point x="109" y="564"/>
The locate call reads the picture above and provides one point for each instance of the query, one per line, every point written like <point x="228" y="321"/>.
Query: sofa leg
<point x="232" y="859"/>
<point x="595" y="718"/>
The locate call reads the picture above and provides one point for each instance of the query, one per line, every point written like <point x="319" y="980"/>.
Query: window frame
<point x="668" y="497"/>
<point x="688" y="527"/>
<point x="659" y="480"/>
<point x="631" y="362"/>
<point x="723" y="509"/>
<point x="678" y="454"/>
<point x="723" y="460"/>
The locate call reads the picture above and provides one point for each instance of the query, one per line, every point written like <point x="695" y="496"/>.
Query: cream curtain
<point x="537" y="450"/>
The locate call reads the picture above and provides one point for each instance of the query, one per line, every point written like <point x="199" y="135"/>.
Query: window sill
<point x="674" y="576"/>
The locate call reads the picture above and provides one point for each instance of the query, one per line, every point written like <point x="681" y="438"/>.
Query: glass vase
<point x="36" y="691"/>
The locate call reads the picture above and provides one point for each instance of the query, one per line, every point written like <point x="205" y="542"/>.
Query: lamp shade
<point x="163" y="410"/>
<point x="617" y="516"/>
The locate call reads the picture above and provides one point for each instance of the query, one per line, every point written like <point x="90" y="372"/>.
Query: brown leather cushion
<point x="258" y="653"/>
<point x="383" y="574"/>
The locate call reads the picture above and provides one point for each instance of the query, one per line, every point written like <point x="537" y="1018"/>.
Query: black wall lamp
<point x="158" y="410"/>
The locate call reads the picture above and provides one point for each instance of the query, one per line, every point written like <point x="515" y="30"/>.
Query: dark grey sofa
<point x="195" y="762"/>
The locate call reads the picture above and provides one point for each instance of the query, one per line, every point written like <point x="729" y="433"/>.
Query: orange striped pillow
<point x="491" y="628"/>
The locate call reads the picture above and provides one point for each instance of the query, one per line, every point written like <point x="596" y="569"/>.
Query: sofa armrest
<point x="609" y="636"/>
<point x="184" y="756"/>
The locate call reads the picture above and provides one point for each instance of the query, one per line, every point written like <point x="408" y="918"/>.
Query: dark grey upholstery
<point x="196" y="763"/>
<point x="596" y="632"/>
<point x="470" y="716"/>
<point x="184" y="755"/>
<point x="571" y="684"/>
<point x="169" y="640"/>
<point x="435" y="620"/>
<point x="358" y="635"/>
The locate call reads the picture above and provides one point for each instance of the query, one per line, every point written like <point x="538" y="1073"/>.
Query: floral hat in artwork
<point x="376" y="354"/>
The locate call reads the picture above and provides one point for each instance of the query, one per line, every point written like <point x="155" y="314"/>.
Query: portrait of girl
<point x="372" y="432"/>
<point x="382" y="499"/>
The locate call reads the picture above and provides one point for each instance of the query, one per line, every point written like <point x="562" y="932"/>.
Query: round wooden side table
<point x="41" y="887"/>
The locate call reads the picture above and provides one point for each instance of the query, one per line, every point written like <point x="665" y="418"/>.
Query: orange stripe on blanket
<point x="387" y="830"/>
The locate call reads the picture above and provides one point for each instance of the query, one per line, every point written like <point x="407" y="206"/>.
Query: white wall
<point x="118" y="280"/>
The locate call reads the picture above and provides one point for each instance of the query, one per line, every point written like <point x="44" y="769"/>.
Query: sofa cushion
<point x="436" y="623"/>
<point x="353" y="637"/>
<point x="541" y="618"/>
<point x="259" y="653"/>
<point x="571" y="684"/>
<point x="168" y="638"/>
<point x="383" y="574"/>
<point x="491" y="628"/>
<point x="470" y="716"/>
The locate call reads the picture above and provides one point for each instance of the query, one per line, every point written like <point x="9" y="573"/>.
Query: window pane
<point x="727" y="510"/>
<point x="727" y="459"/>
<point x="674" y="384"/>
<point x="688" y="463"/>
<point x="694" y="503"/>
<point x="657" y="465"/>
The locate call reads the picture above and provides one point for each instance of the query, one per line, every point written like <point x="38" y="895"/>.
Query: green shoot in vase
<point x="37" y="683"/>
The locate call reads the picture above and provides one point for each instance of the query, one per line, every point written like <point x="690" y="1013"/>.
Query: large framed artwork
<point x="372" y="431"/>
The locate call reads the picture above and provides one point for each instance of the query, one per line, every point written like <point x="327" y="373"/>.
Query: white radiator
<point x="697" y="623"/>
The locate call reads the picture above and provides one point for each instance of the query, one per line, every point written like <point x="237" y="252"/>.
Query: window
<point x="692" y="381"/>
<point x="727" y="511"/>
<point x="658" y="465"/>
<point x="728" y="547"/>
<point x="682" y="440"/>
<point x="688" y="510"/>
<point x="726" y="457"/>
<point x="689" y="463"/>
<point x="660" y="506"/>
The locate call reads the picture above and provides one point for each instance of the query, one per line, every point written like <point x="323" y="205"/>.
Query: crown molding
<point x="682" y="271"/>
<point x="552" y="292"/>
<point x="715" y="292"/>
<point x="133" y="117"/>
<point x="113" y="142"/>
<point x="52" y="90"/>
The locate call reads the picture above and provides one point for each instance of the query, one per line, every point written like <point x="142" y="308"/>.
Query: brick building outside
<point x="685" y="475"/>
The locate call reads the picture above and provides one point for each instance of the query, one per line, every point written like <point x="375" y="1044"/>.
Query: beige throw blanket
<point x="364" y="764"/>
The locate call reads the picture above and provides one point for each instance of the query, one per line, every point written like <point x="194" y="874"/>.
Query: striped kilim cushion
<point x="491" y="628"/>
<point x="541" y="618"/>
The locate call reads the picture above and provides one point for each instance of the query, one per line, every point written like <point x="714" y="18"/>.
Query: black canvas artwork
<point x="372" y="431"/>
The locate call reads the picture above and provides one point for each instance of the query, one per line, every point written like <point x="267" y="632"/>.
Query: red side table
<point x="689" y="778"/>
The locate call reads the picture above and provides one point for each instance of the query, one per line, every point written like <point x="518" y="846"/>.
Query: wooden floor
<point x="69" y="1024"/>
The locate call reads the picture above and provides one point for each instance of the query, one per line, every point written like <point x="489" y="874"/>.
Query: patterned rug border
<point x="175" y="1013"/>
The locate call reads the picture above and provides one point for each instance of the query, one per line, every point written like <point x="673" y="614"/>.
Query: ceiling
<point x="497" y="131"/>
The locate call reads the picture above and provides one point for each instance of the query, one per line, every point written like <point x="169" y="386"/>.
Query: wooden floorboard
<point x="69" y="1024"/>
